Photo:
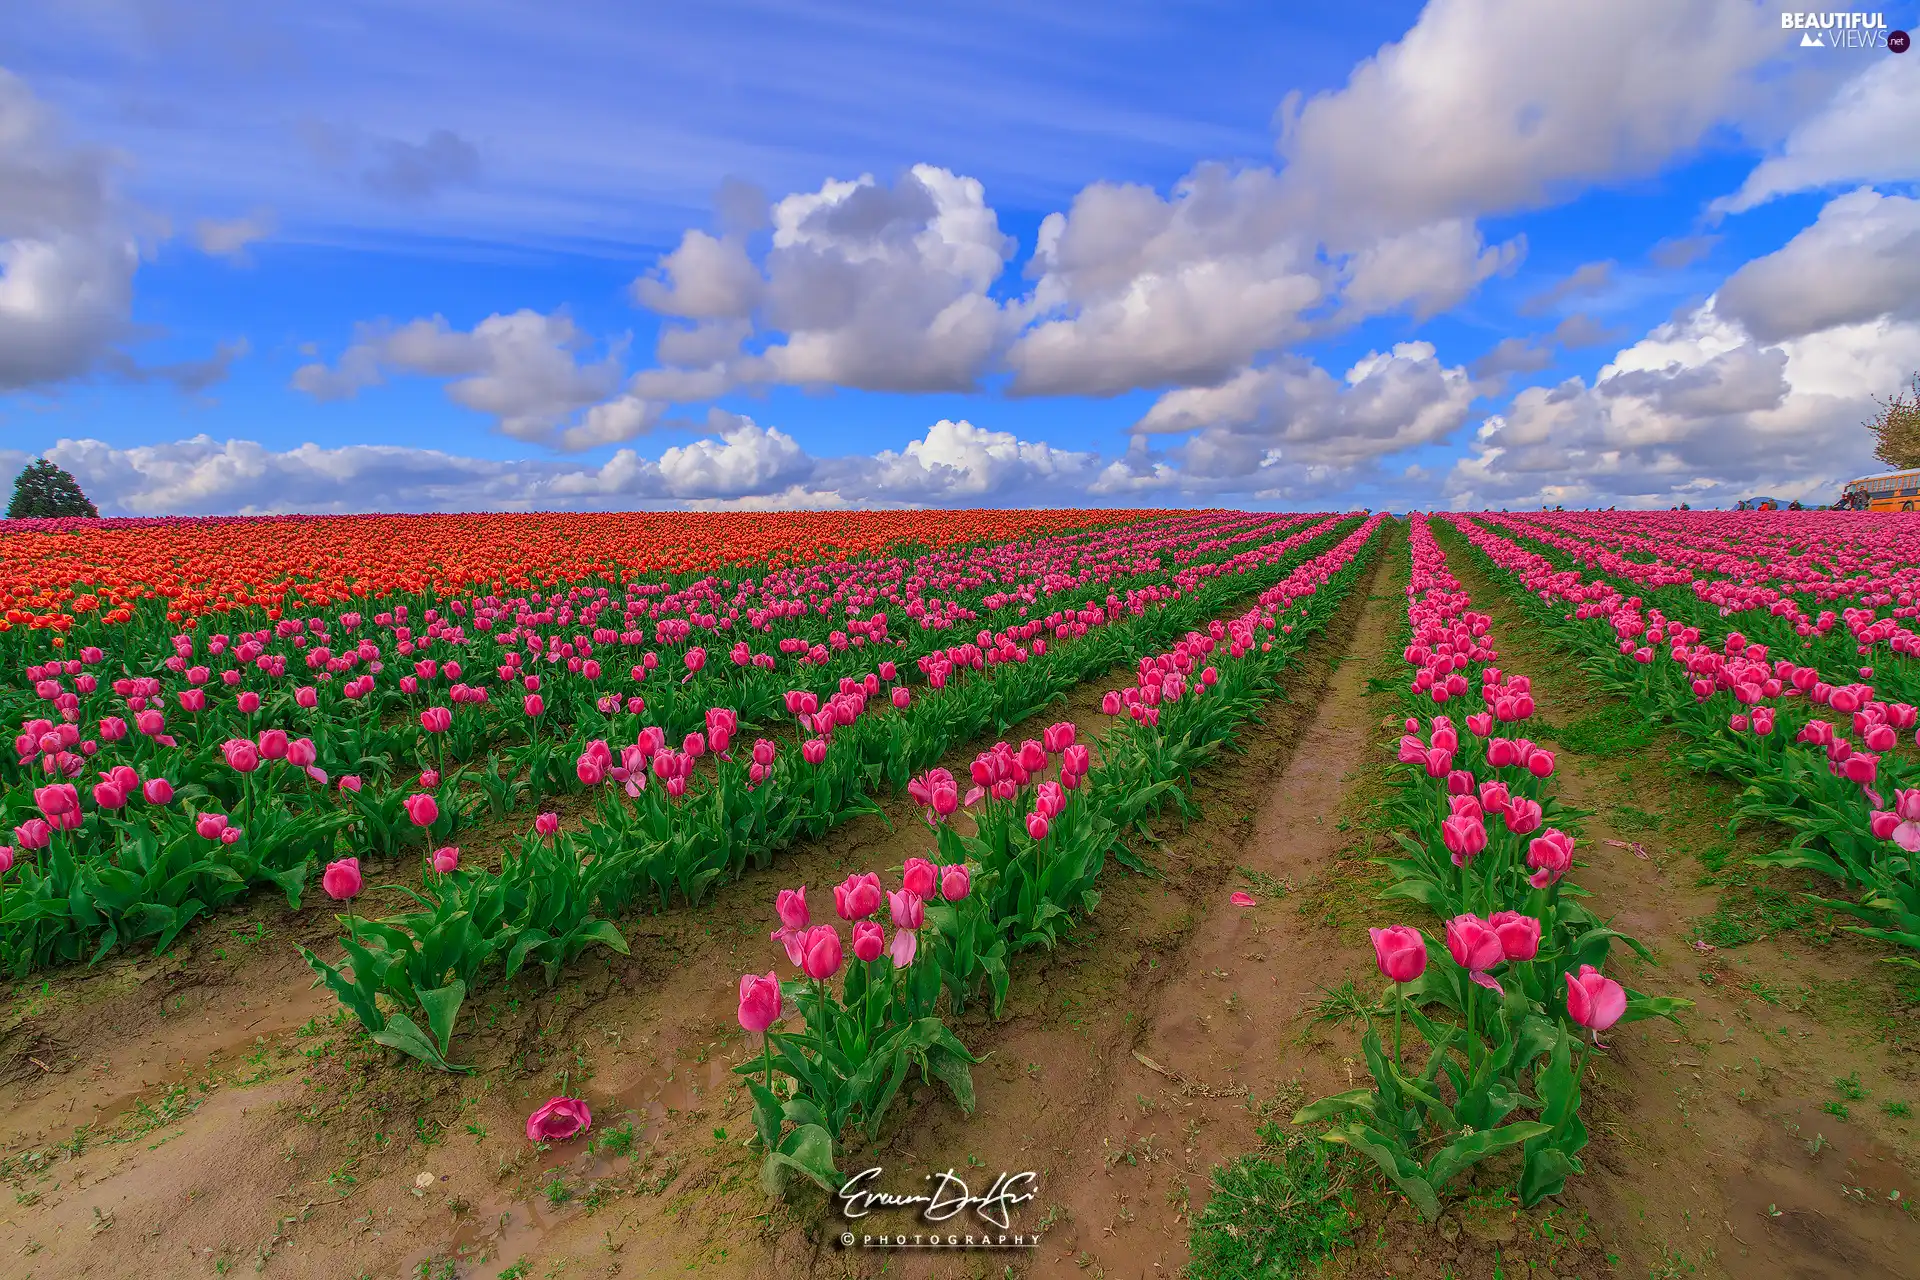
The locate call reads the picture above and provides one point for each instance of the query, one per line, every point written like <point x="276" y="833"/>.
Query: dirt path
<point x="1753" y="1142"/>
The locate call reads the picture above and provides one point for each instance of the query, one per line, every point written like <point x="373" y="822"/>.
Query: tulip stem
<point x="766" y="1050"/>
<point x="1472" y="1040"/>
<point x="1399" y="1002"/>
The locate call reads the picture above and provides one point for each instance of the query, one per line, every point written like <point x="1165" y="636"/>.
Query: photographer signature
<point x="949" y="1198"/>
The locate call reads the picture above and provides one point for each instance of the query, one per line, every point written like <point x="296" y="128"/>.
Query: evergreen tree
<point x="1896" y="429"/>
<point x="46" y="491"/>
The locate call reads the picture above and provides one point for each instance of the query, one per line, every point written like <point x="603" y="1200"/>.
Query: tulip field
<point x="1233" y="893"/>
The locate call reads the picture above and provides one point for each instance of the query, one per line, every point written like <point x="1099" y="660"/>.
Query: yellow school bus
<point x="1888" y="491"/>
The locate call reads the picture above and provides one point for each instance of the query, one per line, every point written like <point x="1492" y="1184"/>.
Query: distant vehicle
<point x="1888" y="491"/>
<point x="1759" y="504"/>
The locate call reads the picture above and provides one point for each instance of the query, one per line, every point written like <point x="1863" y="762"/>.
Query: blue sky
<point x="260" y="257"/>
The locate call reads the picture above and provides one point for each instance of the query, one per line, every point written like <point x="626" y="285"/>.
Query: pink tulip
<point x="341" y="879"/>
<point x="1519" y="935"/>
<point x="905" y="945"/>
<point x="6" y="859"/>
<point x="242" y="756"/>
<point x="791" y="906"/>
<point x="109" y="795"/>
<point x="858" y="897"/>
<point x="1523" y="816"/>
<point x="349" y="782"/>
<point x="763" y="752"/>
<point x="954" y="882"/>
<point x="1550" y="855"/>
<point x="1465" y="838"/>
<point x="445" y="860"/>
<point x="436" y="719"/>
<point x="273" y="744"/>
<point x="157" y="791"/>
<point x="59" y="803"/>
<point x="558" y="1120"/>
<point x="760" y="1005"/>
<point x="1036" y="826"/>
<point x="813" y="751"/>
<point x="1057" y="737"/>
<point x="1593" y="1000"/>
<point x="1400" y="951"/>
<point x="907" y="908"/>
<point x="248" y="702"/>
<point x="546" y="825"/>
<point x="1540" y="764"/>
<point x="306" y="696"/>
<point x="1475" y="947"/>
<point x="918" y="877"/>
<point x="422" y="810"/>
<point x="1494" y="797"/>
<point x="34" y="833"/>
<point x="869" y="940"/>
<point x="820" y="955"/>
<point x="533" y="704"/>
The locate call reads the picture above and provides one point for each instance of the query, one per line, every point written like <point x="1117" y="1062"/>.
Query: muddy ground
<point x="209" y="1112"/>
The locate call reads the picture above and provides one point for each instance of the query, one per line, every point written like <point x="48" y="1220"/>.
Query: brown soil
<point x="210" y="1111"/>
